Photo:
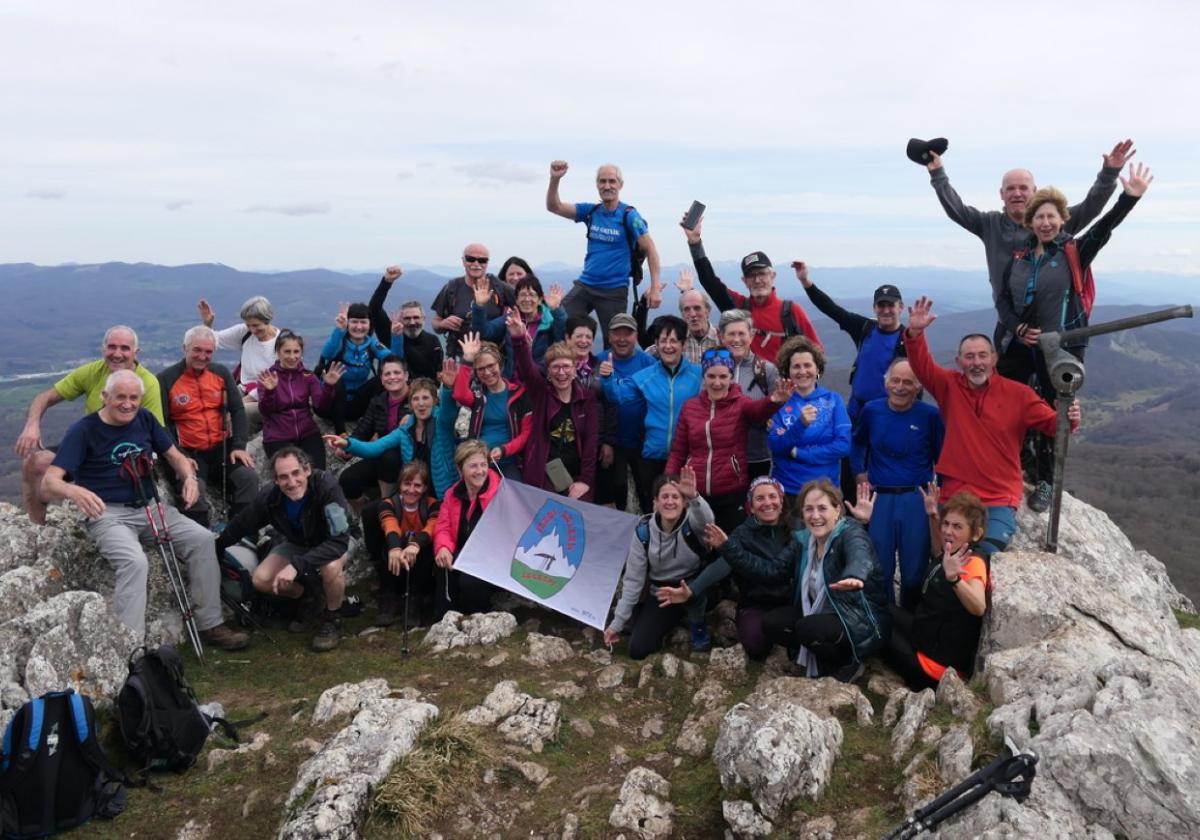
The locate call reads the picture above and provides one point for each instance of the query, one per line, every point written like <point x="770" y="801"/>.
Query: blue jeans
<point x="1001" y="525"/>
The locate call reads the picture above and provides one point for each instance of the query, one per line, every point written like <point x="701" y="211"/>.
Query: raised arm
<point x="554" y="204"/>
<point x="850" y="322"/>
<point x="722" y="298"/>
<point x="963" y="215"/>
<point x="381" y="324"/>
<point x="1081" y="214"/>
<point x="1097" y="235"/>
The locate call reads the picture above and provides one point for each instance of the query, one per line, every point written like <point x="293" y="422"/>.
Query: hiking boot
<point x="224" y="637"/>
<point x="307" y="610"/>
<point x="1040" y="498"/>
<point x="329" y="634"/>
<point x="352" y="606"/>
<point x="701" y="643"/>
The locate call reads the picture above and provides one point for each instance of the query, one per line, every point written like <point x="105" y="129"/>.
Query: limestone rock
<point x="532" y="771"/>
<point x="952" y="692"/>
<point x="743" y="820"/>
<point x="955" y="752"/>
<point x="610" y="677"/>
<point x="643" y="805"/>
<point x="333" y="788"/>
<point x="777" y="748"/>
<point x="581" y="726"/>
<point x="916" y="708"/>
<point x="652" y="728"/>
<point x="546" y="650"/>
<point x="894" y="705"/>
<point x="519" y="717"/>
<point x="567" y="690"/>
<point x="821" y="696"/>
<point x="456" y="630"/>
<point x="347" y="698"/>
<point x="728" y="664"/>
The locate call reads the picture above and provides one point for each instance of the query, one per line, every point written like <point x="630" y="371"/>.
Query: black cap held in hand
<point x="918" y="150"/>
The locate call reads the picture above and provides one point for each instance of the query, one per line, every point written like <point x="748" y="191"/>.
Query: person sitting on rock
<point x="838" y="615"/>
<point x="462" y="506"/>
<point x="199" y="395"/>
<point x="87" y="471"/>
<point x="398" y="531"/>
<point x="120" y="349"/>
<point x="666" y="551"/>
<point x="943" y="630"/>
<point x="287" y="394"/>
<point x="764" y="534"/>
<point x="310" y="515"/>
<point x="383" y="415"/>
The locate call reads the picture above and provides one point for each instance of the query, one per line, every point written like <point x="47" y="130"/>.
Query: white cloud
<point x="47" y="194"/>
<point x="300" y="209"/>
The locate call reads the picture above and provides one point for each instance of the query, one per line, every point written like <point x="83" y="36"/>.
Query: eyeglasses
<point x="471" y="258"/>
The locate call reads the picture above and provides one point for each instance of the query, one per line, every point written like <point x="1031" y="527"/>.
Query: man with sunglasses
<point x="615" y="232"/>
<point x="452" y="306"/>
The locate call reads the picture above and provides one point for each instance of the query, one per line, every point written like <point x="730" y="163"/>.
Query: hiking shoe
<point x="701" y="643"/>
<point x="352" y="606"/>
<point x="224" y="637"/>
<point x="1040" y="498"/>
<point x="329" y="634"/>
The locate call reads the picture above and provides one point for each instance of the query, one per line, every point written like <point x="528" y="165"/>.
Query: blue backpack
<point x="53" y="773"/>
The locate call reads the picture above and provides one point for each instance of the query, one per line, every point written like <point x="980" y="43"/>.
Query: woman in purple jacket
<point x="288" y="393"/>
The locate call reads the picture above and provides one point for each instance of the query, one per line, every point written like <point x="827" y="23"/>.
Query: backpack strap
<point x="1082" y="280"/>
<point x="642" y="531"/>
<point x="21" y="741"/>
<point x="84" y="717"/>
<point x="694" y="542"/>
<point x="787" y="320"/>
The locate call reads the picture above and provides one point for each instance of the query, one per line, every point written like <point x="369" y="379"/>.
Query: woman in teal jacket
<point x="838" y="615"/>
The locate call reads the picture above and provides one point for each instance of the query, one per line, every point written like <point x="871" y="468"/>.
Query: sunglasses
<point x="716" y="353"/>
<point x="473" y="259"/>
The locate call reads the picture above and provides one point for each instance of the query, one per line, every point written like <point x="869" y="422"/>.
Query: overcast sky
<point x="274" y="135"/>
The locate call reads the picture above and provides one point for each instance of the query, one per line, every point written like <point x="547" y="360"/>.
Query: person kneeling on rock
<point x="93" y="456"/>
<point x="307" y="509"/>
<point x="943" y="631"/>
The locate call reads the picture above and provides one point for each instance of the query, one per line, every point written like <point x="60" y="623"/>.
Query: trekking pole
<point x="137" y="467"/>
<point x="1010" y="774"/>
<point x="407" y="583"/>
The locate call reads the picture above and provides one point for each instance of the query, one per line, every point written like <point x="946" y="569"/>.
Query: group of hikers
<point x="844" y="525"/>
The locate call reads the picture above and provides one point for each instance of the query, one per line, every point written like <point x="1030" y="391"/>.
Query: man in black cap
<point x="877" y="339"/>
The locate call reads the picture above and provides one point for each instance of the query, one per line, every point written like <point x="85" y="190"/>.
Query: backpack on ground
<point x="160" y="718"/>
<point x="637" y="254"/>
<point x="53" y="773"/>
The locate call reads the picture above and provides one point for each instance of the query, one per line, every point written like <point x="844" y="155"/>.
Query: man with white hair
<point x="198" y="395"/>
<point x="87" y="471"/>
<point x="615" y="232"/>
<point x="119" y="349"/>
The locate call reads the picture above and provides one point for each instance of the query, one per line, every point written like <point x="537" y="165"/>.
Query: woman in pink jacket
<point x="462" y="506"/>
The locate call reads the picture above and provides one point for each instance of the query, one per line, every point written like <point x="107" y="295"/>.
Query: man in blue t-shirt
<point x="87" y="472"/>
<point x="613" y="228"/>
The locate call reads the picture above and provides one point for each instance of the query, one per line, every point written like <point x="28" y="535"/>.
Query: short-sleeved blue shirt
<point x="92" y="452"/>
<point x="607" y="263"/>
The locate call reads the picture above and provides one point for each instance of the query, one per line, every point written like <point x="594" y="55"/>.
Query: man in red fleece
<point x="986" y="419"/>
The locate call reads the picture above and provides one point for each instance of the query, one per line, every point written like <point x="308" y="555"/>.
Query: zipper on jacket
<point x="712" y="412"/>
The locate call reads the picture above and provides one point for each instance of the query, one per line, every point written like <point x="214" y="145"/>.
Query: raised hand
<point x="333" y="373"/>
<point x="207" y="316"/>
<point x="392" y="273"/>
<point x="714" y="536"/>
<point x="865" y="505"/>
<point x="516" y="324"/>
<point x="606" y="367"/>
<point x="470" y="346"/>
<point x="1139" y="180"/>
<point x="554" y="296"/>
<point x="340" y="320"/>
<point x="1120" y="155"/>
<point x="687" y="482"/>
<point x="954" y="561"/>
<point x="801" y="269"/>
<point x="397" y="327"/>
<point x="268" y="379"/>
<point x="935" y="161"/>
<point x="685" y="282"/>
<point x="483" y="293"/>
<point x="782" y="392"/>
<point x="558" y="168"/>
<point x="668" y="595"/>
<point x="929" y="497"/>
<point x="920" y="314"/>
<point x="449" y="372"/>
<point x="693" y="235"/>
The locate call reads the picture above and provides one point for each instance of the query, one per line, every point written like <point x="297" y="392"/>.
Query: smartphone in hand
<point x="693" y="215"/>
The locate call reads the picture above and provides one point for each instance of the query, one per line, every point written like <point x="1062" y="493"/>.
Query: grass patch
<point x="448" y="754"/>
<point x="1187" y="620"/>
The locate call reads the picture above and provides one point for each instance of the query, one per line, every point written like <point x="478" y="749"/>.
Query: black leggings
<point x="823" y="635"/>
<point x="900" y="653"/>
<point x="350" y="408"/>
<point x="1021" y="363"/>
<point x="419" y="578"/>
<point x="363" y="475"/>
<point x="651" y="624"/>
<point x="647" y="470"/>
<point x="312" y="446"/>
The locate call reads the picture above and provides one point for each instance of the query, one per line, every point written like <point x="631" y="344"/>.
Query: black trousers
<point x="241" y="483"/>
<point x="313" y="446"/>
<point x="461" y="593"/>
<point x="651" y="624"/>
<point x="350" y="408"/>
<point x="823" y="635"/>
<point x="646" y="471"/>
<point x="1022" y="364"/>
<point x="419" y="579"/>
<point x="363" y="475"/>
<point x="900" y="653"/>
<point x="729" y="510"/>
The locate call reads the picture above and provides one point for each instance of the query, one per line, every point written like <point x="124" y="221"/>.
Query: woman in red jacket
<point x="711" y="436"/>
<point x="464" y="503"/>
<point x="501" y="413"/>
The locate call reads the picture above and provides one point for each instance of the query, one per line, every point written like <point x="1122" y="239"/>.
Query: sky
<point x="284" y="135"/>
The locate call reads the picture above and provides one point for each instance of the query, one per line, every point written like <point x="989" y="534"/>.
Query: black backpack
<point x="160" y="718"/>
<point x="53" y="773"/>
<point x="637" y="255"/>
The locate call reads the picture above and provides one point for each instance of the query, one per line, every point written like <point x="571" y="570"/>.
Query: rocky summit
<point x="1083" y="663"/>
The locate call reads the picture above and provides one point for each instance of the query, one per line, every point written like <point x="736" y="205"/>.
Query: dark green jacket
<point x="765" y="543"/>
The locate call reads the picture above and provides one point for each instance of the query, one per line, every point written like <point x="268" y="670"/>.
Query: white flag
<point x="562" y="553"/>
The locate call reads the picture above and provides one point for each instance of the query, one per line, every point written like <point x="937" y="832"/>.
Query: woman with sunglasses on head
<point x="501" y="411"/>
<point x="711" y="434"/>
<point x="287" y="395"/>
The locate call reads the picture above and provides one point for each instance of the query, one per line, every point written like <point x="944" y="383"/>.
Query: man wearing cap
<point x="626" y="358"/>
<point x="877" y="340"/>
<point x="774" y="319"/>
<point x="614" y="230"/>
<point x="1004" y="232"/>
<point x="452" y="306"/>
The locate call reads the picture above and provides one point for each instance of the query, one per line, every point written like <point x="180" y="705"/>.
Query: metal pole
<point x="1061" y="438"/>
<point x="1143" y="320"/>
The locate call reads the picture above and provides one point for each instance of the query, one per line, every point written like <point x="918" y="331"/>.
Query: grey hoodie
<point x="668" y="557"/>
